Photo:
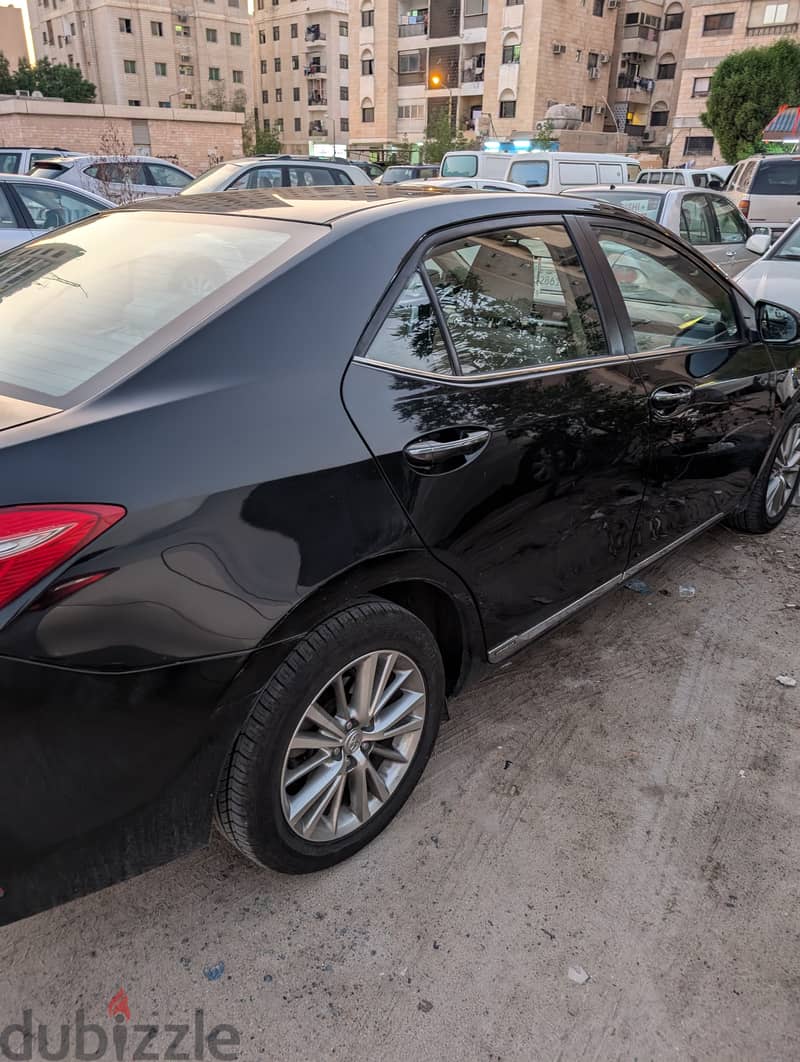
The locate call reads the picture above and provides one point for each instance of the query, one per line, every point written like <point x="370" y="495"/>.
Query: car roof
<point x="250" y="160"/>
<point x="325" y="206"/>
<point x="74" y="159"/>
<point x="640" y="189"/>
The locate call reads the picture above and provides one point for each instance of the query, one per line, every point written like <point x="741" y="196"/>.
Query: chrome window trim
<point x="506" y="374"/>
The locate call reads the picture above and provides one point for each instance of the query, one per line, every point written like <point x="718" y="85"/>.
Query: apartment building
<point x="302" y="75"/>
<point x="715" y="30"/>
<point x="495" y="66"/>
<point x="12" y="35"/>
<point x="152" y="53"/>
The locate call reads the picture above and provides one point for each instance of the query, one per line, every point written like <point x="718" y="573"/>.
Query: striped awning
<point x="784" y="126"/>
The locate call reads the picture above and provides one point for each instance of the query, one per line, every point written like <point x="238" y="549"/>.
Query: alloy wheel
<point x="353" y="745"/>
<point x="784" y="472"/>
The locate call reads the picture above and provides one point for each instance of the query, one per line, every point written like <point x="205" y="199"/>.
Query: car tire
<point x="763" y="510"/>
<point x="282" y="755"/>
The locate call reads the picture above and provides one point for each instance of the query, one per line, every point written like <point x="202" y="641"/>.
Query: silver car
<point x="707" y="220"/>
<point x="776" y="275"/>
<point x="479" y="184"/>
<point x="30" y="206"/>
<point x="277" y="171"/>
<point x="122" y="178"/>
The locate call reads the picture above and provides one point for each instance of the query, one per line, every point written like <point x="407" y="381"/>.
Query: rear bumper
<point x="104" y="776"/>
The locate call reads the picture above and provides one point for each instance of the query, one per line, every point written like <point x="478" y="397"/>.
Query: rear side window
<point x="732" y="226"/>
<point x="611" y="173"/>
<point x="117" y="173"/>
<point x="460" y="166"/>
<point x="531" y="174"/>
<point x="312" y="176"/>
<point x="577" y="173"/>
<point x="410" y="337"/>
<point x="10" y="161"/>
<point x="87" y="304"/>
<point x="639" y="201"/>
<point x="776" y="178"/>
<point x="259" y="177"/>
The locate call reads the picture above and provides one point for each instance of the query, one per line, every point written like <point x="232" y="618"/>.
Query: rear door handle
<point x="667" y="399"/>
<point x="432" y="451"/>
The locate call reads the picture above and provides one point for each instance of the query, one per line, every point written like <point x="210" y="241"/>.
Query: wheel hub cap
<point x="784" y="472"/>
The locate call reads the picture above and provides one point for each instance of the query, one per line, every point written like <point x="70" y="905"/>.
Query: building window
<point x="508" y="108"/>
<point x="293" y="30"/>
<point x="411" y="110"/>
<point x="367" y="115"/>
<point x="368" y="19"/>
<point x="343" y="29"/>
<point x="236" y="40"/>
<point x="277" y="65"/>
<point x="344" y="92"/>
<point x="134" y="103"/>
<point x="407" y="63"/>
<point x="185" y="70"/>
<point x="182" y="30"/>
<point x="165" y="104"/>
<point x="296" y="95"/>
<point x="233" y="3"/>
<point x="278" y="121"/>
<point x="213" y="73"/>
<point x="237" y="76"/>
<point x="298" y="125"/>
<point x="701" y="86"/>
<point x="275" y="3"/>
<point x="367" y="67"/>
<point x="211" y="36"/>
<point x="698" y="145"/>
<point x="719" y="24"/>
<point x="510" y="53"/>
<point x="513" y="3"/>
<point x="295" y="62"/>
<point x="129" y="65"/>
<point x="586" y="114"/>
<point x="262" y="37"/>
<point x="260" y="5"/>
<point x="659" y="117"/>
<point x="673" y="20"/>
<point x="264" y="66"/>
<point x="161" y="69"/>
<point x="125" y="25"/>
<point x="264" y="96"/>
<point x="344" y="62"/>
<point x="344" y="125"/>
<point x="666" y="71"/>
<point x="598" y="7"/>
<point x="279" y="95"/>
<point x="266" y="125"/>
<point x="276" y="33"/>
<point x="775" y="14"/>
<point x="157" y="29"/>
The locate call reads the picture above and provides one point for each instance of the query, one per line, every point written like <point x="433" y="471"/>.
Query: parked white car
<point x="123" y="178"/>
<point x="23" y="159"/>
<point x="776" y="275"/>
<point x="277" y="171"/>
<point x="480" y="184"/>
<point x="546" y="171"/>
<point x="30" y="206"/>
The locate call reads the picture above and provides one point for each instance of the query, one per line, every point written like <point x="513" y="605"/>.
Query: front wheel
<point x="776" y="486"/>
<point x="336" y="741"/>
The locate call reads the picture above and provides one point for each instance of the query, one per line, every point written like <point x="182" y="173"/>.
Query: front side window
<point x="410" y="337"/>
<point x="259" y="177"/>
<point x="732" y="226"/>
<point x="50" y="207"/>
<point x="312" y="176"/>
<point x="7" y="219"/>
<point x="515" y="298"/>
<point x="671" y="302"/>
<point x="697" y="221"/>
<point x="167" y="176"/>
<point x="10" y="161"/>
<point x="460" y="166"/>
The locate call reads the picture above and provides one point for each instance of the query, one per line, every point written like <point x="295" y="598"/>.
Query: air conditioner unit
<point x="186" y="58"/>
<point x="599" y="110"/>
<point x="21" y="92"/>
<point x="594" y="72"/>
<point x="187" y="95"/>
<point x="559" y="49"/>
<point x="613" y="3"/>
<point x="647" y="135"/>
<point x="183" y="17"/>
<point x="604" y="57"/>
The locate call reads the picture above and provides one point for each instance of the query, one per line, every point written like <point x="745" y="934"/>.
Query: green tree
<point x="544" y="136"/>
<point x="53" y="79"/>
<point x="746" y="90"/>
<point x="266" y="142"/>
<point x="440" y="138"/>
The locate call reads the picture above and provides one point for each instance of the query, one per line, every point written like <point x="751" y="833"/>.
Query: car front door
<point x="14" y="228"/>
<point x="507" y="419"/>
<point x="710" y="382"/>
<point x="50" y="206"/>
<point x="733" y="232"/>
<point x="167" y="180"/>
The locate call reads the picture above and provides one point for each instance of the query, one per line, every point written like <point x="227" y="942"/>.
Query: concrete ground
<point x="622" y="798"/>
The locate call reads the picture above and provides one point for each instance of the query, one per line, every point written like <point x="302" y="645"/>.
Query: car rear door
<point x="710" y="383"/>
<point x="507" y="419"/>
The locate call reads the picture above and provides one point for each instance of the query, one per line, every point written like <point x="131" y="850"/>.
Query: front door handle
<point x="665" y="400"/>
<point x="730" y="254"/>
<point x="432" y="450"/>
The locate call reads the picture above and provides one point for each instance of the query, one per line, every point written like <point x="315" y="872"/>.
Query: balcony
<point x="317" y="101"/>
<point x="313" y="33"/>
<point x="635" y="89"/>
<point x="315" y="71"/>
<point x="773" y="31"/>
<point x="472" y="79"/>
<point x="639" y="40"/>
<point x="634" y="130"/>
<point x="412" y="29"/>
<point x="317" y="129"/>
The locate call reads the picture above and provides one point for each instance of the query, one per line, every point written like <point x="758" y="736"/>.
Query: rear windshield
<point x="789" y="245"/>
<point x="460" y="166"/>
<point x="639" y="202"/>
<point x="212" y="180"/>
<point x="86" y="305"/>
<point x="531" y="174"/>
<point x="48" y="169"/>
<point x="776" y="178"/>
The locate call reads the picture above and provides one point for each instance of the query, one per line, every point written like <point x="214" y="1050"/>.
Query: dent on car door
<point x="508" y="422"/>
<point x="710" y="383"/>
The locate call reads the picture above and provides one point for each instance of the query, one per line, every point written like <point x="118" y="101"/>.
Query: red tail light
<point x="744" y="205"/>
<point x="37" y="539"/>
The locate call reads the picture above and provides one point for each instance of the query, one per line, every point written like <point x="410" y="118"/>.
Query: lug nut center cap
<point x="352" y="743"/>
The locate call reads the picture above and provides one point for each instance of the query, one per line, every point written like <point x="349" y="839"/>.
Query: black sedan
<point x="283" y="470"/>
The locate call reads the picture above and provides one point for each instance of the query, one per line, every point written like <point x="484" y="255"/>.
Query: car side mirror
<point x="758" y="243"/>
<point x="777" y="324"/>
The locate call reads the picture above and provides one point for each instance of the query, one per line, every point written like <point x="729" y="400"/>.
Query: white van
<point x="548" y="171"/>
